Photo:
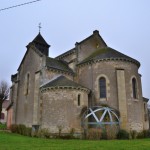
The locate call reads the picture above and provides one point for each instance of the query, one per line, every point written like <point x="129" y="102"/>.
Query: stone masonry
<point x="51" y="92"/>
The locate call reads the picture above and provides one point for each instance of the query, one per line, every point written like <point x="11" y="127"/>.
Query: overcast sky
<point x="123" y="24"/>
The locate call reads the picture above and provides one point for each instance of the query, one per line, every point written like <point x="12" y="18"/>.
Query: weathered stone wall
<point x="25" y="100"/>
<point x="70" y="59"/>
<point x="89" y="75"/>
<point x="122" y="100"/>
<point x="36" y="99"/>
<point x="14" y="99"/>
<point x="84" y="49"/>
<point x="60" y="109"/>
<point x="48" y="75"/>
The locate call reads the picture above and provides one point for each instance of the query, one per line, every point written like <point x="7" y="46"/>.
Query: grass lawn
<point x="9" y="141"/>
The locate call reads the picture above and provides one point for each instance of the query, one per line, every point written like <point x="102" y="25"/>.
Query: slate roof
<point x="108" y="53"/>
<point x="40" y="39"/>
<point x="58" y="64"/>
<point x="145" y="99"/>
<point x="62" y="81"/>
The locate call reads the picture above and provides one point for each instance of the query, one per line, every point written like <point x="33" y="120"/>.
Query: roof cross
<point x="39" y="27"/>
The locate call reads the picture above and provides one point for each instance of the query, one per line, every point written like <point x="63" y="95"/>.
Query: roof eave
<point x="65" y="87"/>
<point x="106" y="59"/>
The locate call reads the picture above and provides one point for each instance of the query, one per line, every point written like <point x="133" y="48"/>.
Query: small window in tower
<point x="134" y="88"/>
<point x="102" y="87"/>
<point x="79" y="100"/>
<point x="97" y="45"/>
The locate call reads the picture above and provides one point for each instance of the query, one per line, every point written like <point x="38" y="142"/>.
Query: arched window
<point x="79" y="97"/>
<point x="102" y="87"/>
<point x="27" y="90"/>
<point x="134" y="88"/>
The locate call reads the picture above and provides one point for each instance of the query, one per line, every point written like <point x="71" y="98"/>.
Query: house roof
<point x="62" y="81"/>
<point x="58" y="64"/>
<point x="108" y="53"/>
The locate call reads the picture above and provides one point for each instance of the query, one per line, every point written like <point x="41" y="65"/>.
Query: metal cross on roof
<point x="39" y="27"/>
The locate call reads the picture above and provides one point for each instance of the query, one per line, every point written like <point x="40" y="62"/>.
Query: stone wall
<point x="14" y="99"/>
<point x="60" y="109"/>
<point x="9" y="118"/>
<point x="89" y="77"/>
<point x="89" y="45"/>
<point x="24" y="102"/>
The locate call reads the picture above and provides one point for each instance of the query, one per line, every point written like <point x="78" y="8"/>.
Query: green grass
<point x="9" y="141"/>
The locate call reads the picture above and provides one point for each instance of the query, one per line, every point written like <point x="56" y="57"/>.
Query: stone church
<point x="51" y="92"/>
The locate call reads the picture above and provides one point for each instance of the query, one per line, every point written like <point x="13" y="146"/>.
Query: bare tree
<point x="4" y="92"/>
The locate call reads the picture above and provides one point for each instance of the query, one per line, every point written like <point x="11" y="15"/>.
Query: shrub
<point x="104" y="135"/>
<point x="60" y="127"/>
<point x="122" y="134"/>
<point x="94" y="134"/>
<point x="84" y="134"/>
<point x="105" y="132"/>
<point x="43" y="133"/>
<point x="143" y="134"/>
<point x="111" y="131"/>
<point x="72" y="131"/>
<point x="22" y="129"/>
<point x="14" y="128"/>
<point x="140" y="135"/>
<point x="28" y="131"/>
<point x="133" y="134"/>
<point x="146" y="133"/>
<point x="67" y="136"/>
<point x="2" y="126"/>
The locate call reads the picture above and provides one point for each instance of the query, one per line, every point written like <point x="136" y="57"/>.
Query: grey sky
<point x="124" y="25"/>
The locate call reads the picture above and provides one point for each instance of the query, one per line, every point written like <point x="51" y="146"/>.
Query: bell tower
<point x="41" y="44"/>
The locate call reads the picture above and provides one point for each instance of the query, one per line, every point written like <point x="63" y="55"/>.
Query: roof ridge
<point x="108" y="53"/>
<point x="62" y="81"/>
